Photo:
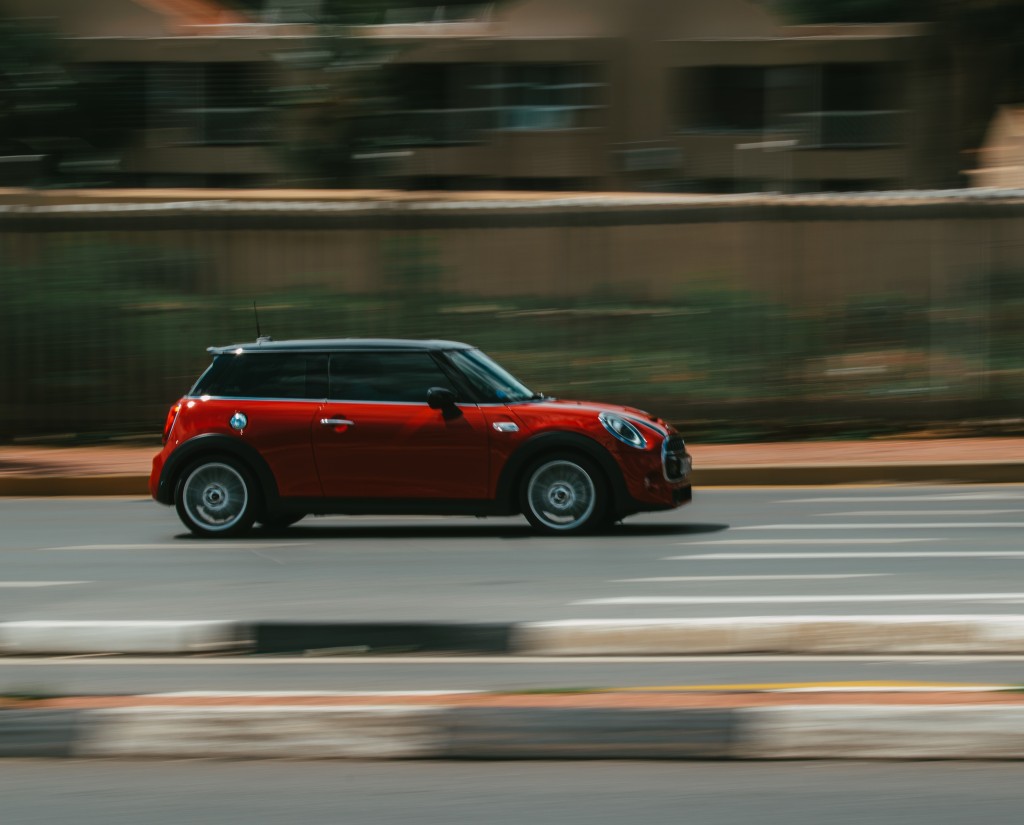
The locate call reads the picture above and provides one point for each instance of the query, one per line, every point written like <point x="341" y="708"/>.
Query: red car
<point x="276" y="430"/>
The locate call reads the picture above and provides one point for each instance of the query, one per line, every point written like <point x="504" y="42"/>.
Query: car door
<point x="377" y="438"/>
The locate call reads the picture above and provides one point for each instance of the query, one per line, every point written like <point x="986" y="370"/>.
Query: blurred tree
<point x="980" y="44"/>
<point x="335" y="97"/>
<point x="59" y="126"/>
<point x="334" y="108"/>
<point x="338" y="102"/>
<point x="36" y="99"/>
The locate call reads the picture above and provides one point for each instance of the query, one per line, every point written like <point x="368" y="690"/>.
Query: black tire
<point x="280" y="522"/>
<point x="565" y="494"/>
<point x="216" y="497"/>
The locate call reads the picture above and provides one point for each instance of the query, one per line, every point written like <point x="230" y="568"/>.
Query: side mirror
<point x="441" y="398"/>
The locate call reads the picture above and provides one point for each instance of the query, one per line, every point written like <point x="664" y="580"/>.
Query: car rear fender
<point x="217" y="444"/>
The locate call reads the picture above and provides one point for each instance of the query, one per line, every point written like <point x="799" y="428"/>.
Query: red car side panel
<point x="278" y="430"/>
<point x="402" y="451"/>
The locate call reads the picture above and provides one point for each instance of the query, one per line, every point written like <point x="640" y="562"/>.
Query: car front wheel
<point x="564" y="494"/>
<point x="216" y="497"/>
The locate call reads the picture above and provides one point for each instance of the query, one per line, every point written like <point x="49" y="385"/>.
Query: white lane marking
<point x="831" y="598"/>
<point x="804" y="541"/>
<point x="923" y="525"/>
<point x="739" y="659"/>
<point x="753" y="578"/>
<point x="867" y="554"/>
<point x="925" y="513"/>
<point x="183" y="545"/>
<point x="40" y="584"/>
<point x="925" y="497"/>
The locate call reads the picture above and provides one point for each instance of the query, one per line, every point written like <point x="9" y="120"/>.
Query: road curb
<point x="434" y="732"/>
<point x="48" y="486"/>
<point x="799" y="635"/>
<point x="49" y="638"/>
<point x="381" y="637"/>
<point x="794" y="635"/>
<point x="769" y="475"/>
<point x="257" y="732"/>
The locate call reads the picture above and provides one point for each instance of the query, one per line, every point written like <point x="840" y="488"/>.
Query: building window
<point x="728" y="98"/>
<point x="835" y="105"/>
<point x="858" y="106"/>
<point x="858" y="87"/>
<point x="442" y="103"/>
<point x="210" y="104"/>
<point x="546" y="97"/>
<point x="458" y="103"/>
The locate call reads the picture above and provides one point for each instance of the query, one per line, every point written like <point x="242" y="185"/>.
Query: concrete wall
<point x="800" y="251"/>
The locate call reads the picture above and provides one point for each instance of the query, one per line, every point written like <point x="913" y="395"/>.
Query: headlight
<point x="623" y="430"/>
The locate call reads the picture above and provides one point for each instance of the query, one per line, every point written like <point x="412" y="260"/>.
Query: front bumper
<point x="659" y="478"/>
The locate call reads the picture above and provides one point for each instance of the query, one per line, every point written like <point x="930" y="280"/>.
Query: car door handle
<point x="337" y="422"/>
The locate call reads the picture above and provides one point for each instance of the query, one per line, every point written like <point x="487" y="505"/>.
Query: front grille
<point x="675" y="459"/>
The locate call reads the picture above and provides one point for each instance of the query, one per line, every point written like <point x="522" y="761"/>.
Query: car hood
<point x="555" y="405"/>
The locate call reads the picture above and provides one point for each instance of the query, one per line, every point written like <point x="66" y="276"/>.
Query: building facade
<point x="606" y="95"/>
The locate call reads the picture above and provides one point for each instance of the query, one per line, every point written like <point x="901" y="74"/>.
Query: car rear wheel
<point x="564" y="494"/>
<point x="216" y="497"/>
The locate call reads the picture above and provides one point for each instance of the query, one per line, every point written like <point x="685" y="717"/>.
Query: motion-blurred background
<point x="760" y="219"/>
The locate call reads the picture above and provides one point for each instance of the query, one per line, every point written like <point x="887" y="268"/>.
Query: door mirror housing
<point x="441" y="398"/>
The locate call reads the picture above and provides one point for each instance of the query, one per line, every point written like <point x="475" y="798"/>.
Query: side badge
<point x="506" y="426"/>
<point x="239" y="421"/>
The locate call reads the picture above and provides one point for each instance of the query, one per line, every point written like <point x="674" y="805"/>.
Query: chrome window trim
<point x="205" y="397"/>
<point x="318" y="400"/>
<point x="389" y="403"/>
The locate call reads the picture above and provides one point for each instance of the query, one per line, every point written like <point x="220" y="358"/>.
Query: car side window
<point x="385" y="376"/>
<point x="293" y="375"/>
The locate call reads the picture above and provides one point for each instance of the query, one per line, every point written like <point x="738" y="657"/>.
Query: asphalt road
<point x="509" y="793"/>
<point x="740" y="552"/>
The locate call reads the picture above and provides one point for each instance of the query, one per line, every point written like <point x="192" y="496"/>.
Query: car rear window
<point x="266" y="375"/>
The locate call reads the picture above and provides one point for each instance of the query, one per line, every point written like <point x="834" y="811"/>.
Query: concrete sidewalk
<point x="121" y="470"/>
<point x="714" y="722"/>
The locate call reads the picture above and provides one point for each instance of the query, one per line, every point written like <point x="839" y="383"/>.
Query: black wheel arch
<point x="213" y="444"/>
<point x="533" y="448"/>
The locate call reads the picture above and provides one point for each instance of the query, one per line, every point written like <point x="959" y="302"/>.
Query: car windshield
<point x="489" y="380"/>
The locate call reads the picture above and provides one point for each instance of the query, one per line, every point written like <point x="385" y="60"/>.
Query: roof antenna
<point x="259" y="335"/>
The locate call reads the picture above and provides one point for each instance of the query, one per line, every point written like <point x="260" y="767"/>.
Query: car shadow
<point x="313" y="531"/>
